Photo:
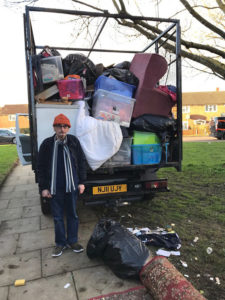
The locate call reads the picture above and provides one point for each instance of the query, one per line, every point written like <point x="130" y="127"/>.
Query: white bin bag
<point x="99" y="139"/>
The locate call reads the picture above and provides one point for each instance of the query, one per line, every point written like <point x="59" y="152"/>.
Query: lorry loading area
<point x="134" y="85"/>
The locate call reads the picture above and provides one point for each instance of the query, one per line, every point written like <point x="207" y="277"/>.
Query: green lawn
<point x="8" y="156"/>
<point x="196" y="205"/>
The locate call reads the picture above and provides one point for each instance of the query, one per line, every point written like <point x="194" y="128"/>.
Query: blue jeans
<point x="61" y="202"/>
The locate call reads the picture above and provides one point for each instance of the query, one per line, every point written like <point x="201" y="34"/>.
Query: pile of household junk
<point x="127" y="95"/>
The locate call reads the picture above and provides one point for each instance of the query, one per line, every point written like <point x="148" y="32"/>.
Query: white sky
<point x="13" y="71"/>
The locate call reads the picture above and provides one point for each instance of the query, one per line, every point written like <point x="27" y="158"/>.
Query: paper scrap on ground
<point x="167" y="253"/>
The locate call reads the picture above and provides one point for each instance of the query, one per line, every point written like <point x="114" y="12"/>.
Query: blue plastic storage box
<point x="146" y="154"/>
<point x="114" y="86"/>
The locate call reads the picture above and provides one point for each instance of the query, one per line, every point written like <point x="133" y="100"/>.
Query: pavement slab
<point x="4" y="204"/>
<point x="36" y="240"/>
<point x="18" y="202"/>
<point x="11" y="213"/>
<point x="57" y="287"/>
<point x="8" y="244"/>
<point x="32" y="211"/>
<point x="100" y="280"/>
<point x="86" y="230"/>
<point x="26" y="265"/>
<point x="12" y="195"/>
<point x="68" y="261"/>
<point x="4" y="293"/>
<point x="20" y="225"/>
<point x="86" y="214"/>
<point x="47" y="222"/>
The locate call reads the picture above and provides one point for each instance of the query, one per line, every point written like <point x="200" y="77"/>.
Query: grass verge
<point x="196" y="205"/>
<point x="8" y="157"/>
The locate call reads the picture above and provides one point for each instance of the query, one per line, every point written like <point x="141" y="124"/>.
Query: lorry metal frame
<point x="140" y="180"/>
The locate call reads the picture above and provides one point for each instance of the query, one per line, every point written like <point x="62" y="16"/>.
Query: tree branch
<point x="221" y="5"/>
<point x="202" y="20"/>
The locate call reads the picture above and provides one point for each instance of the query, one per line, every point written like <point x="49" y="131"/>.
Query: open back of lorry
<point x="111" y="184"/>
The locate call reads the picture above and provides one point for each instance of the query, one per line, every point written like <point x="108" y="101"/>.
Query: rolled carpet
<point x="165" y="282"/>
<point x="135" y="293"/>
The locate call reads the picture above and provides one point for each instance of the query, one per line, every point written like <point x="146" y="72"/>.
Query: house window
<point x="211" y="108"/>
<point x="185" y="109"/>
<point x="185" y="125"/>
<point x="12" y="118"/>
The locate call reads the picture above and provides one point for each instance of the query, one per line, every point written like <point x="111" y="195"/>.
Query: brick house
<point x="199" y="108"/>
<point x="8" y="115"/>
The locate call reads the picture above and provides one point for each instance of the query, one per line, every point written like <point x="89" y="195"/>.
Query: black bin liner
<point x="163" y="126"/>
<point x="122" y="75"/>
<point x="123" y="252"/>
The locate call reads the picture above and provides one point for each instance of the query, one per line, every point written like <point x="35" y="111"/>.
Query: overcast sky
<point x="13" y="71"/>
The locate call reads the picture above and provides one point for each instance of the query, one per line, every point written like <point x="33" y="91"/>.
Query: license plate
<point x="108" y="189"/>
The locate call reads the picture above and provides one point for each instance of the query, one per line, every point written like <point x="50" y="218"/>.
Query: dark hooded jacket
<point x="44" y="165"/>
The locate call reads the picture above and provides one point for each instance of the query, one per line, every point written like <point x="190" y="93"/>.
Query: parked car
<point x="7" y="136"/>
<point x="220" y="128"/>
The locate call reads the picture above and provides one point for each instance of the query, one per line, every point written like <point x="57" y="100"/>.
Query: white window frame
<point x="12" y="118"/>
<point x="210" y="108"/>
<point x="185" y="109"/>
<point x="185" y="125"/>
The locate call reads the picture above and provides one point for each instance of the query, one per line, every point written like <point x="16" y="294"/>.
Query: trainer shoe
<point x="58" y="250"/>
<point x="76" y="247"/>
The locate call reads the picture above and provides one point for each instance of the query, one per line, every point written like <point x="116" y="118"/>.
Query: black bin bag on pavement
<point x="123" y="252"/>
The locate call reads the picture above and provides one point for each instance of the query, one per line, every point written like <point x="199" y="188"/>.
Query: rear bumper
<point x="99" y="192"/>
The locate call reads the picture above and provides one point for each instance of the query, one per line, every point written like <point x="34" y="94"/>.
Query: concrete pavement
<point x="26" y="242"/>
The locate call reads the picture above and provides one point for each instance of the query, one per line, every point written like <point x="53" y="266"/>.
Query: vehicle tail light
<point x="153" y="185"/>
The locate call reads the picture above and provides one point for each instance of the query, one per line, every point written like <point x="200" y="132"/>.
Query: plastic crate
<point x="146" y="154"/>
<point x="71" y="88"/>
<point x="123" y="156"/>
<point x="142" y="138"/>
<point x="51" y="69"/>
<point x="114" y="86"/>
<point x="112" y="107"/>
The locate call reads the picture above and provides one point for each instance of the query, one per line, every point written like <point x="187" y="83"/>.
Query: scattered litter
<point x="196" y="258"/>
<point x="129" y="215"/>
<point x="169" y="228"/>
<point x="201" y="292"/>
<point x="20" y="282"/>
<point x="189" y="221"/>
<point x="167" y="253"/>
<point x="209" y="250"/>
<point x="217" y="280"/>
<point x="185" y="275"/>
<point x="176" y="253"/>
<point x="158" y="237"/>
<point x="163" y="252"/>
<point x="172" y="224"/>
<point x="198" y="275"/>
<point x="195" y="239"/>
<point x="66" y="286"/>
<point x="184" y="264"/>
<point x="211" y="278"/>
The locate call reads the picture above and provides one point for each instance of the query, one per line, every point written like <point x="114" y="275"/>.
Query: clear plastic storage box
<point x="112" y="107"/>
<point x="51" y="69"/>
<point x="123" y="156"/>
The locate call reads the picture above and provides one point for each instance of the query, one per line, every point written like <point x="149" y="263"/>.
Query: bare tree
<point x="207" y="50"/>
<point x="209" y="54"/>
